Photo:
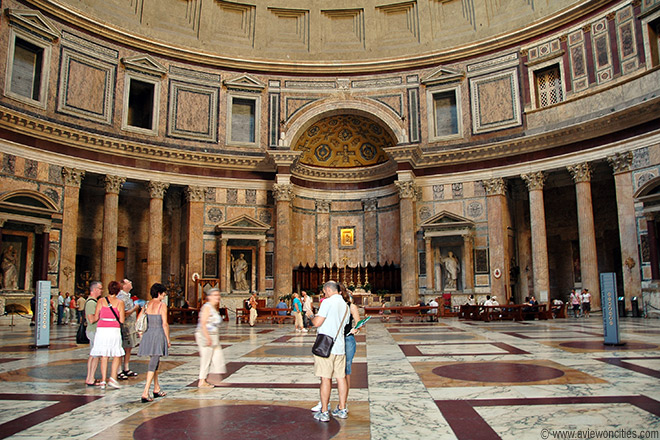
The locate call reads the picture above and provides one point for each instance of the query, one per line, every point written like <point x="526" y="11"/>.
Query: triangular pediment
<point x="243" y="223"/>
<point x="443" y="75"/>
<point x="245" y="82"/>
<point x="447" y="220"/>
<point x="145" y="64"/>
<point x="33" y="21"/>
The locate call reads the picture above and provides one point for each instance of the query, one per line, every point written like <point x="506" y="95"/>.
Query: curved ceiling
<point x="344" y="141"/>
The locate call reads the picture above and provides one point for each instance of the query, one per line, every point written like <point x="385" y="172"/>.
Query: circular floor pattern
<point x="509" y="372"/>
<point x="597" y="345"/>
<point x="238" y="421"/>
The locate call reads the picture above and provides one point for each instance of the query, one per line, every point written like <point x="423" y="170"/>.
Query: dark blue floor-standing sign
<point x="608" y="297"/>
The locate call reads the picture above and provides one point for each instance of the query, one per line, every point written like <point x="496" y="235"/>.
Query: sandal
<point x="147" y="399"/>
<point x="122" y="376"/>
<point x="96" y="383"/>
<point x="102" y="385"/>
<point x="130" y="373"/>
<point x="159" y="394"/>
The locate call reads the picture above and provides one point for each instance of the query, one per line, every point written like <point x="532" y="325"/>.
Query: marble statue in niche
<point x="451" y="267"/>
<point x="9" y="266"/>
<point x="240" y="269"/>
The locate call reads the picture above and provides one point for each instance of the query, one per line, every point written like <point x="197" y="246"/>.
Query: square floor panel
<point x="461" y="349"/>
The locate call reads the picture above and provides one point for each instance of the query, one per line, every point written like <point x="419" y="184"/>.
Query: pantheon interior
<point x="412" y="149"/>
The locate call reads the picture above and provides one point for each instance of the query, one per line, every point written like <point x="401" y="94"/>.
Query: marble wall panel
<point x="389" y="237"/>
<point x="193" y="112"/>
<point x="306" y="247"/>
<point x="454" y="206"/>
<point x="237" y="211"/>
<point x="355" y="255"/>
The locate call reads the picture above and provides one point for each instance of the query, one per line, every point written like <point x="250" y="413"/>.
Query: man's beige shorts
<point x="334" y="366"/>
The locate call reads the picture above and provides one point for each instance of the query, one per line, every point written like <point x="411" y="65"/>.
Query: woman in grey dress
<point x="156" y="340"/>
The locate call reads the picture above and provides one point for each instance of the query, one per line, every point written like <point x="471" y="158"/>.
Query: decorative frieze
<point x="283" y="192"/>
<point x="323" y="206"/>
<point x="621" y="162"/>
<point x="370" y="205"/>
<point x="495" y="187"/>
<point x="580" y="172"/>
<point x="407" y="190"/>
<point x="157" y="189"/>
<point x="195" y="193"/>
<point x="534" y="181"/>
<point x="72" y="176"/>
<point x="113" y="184"/>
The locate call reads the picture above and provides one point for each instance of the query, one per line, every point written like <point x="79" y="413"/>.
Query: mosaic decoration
<point x="344" y="141"/>
<point x="495" y="101"/>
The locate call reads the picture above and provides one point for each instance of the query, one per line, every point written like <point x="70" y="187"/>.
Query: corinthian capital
<point x="72" y="176"/>
<point x="407" y="190"/>
<point x="581" y="172"/>
<point x="195" y="193"/>
<point x="157" y="189"/>
<point x="534" y="181"/>
<point x="323" y="206"/>
<point x="113" y="184"/>
<point x="283" y="192"/>
<point x="621" y="162"/>
<point x="495" y="187"/>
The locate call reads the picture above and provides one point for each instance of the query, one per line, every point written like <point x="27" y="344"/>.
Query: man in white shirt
<point x="307" y="307"/>
<point x="330" y="321"/>
<point x="433" y="313"/>
<point x="131" y="311"/>
<point x="586" y="302"/>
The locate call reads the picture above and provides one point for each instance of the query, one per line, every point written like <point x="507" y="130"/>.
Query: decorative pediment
<point x="144" y="64"/>
<point x="34" y="22"/>
<point x="245" y="82"/>
<point x="443" y="75"/>
<point x="446" y="223"/>
<point x="242" y="227"/>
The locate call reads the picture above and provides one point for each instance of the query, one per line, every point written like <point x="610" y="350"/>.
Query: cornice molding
<point x="350" y="175"/>
<point x="194" y="55"/>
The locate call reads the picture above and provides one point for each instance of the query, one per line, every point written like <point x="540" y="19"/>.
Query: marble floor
<point x="445" y="380"/>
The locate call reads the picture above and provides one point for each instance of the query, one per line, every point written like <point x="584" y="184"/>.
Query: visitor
<point x="329" y="321"/>
<point x="73" y="308"/>
<point x="107" y="340"/>
<point x="131" y="311"/>
<point x="433" y="311"/>
<point x="60" y="308"/>
<point x="156" y="340"/>
<point x="95" y="290"/>
<point x="81" y="309"/>
<point x="586" y="302"/>
<point x="307" y="307"/>
<point x="297" y="314"/>
<point x="471" y="301"/>
<point x="65" y="310"/>
<point x="575" y="303"/>
<point x="282" y="306"/>
<point x="208" y="340"/>
<point x="253" y="308"/>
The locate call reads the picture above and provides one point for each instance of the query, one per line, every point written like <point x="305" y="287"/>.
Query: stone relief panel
<point x="232" y="196"/>
<point x="214" y="215"/>
<point x="495" y="101"/>
<point x="457" y="190"/>
<point x="474" y="210"/>
<point x="8" y="164"/>
<point x="193" y="112"/>
<point x="438" y="192"/>
<point x="576" y="49"/>
<point x="626" y="40"/>
<point x="600" y="42"/>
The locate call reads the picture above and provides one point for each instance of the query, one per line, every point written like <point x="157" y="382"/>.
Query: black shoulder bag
<point x="323" y="344"/>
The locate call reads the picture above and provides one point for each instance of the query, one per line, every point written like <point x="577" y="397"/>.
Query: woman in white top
<point x="208" y="341"/>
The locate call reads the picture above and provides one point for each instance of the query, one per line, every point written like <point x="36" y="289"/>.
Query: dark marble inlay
<point x="238" y="421"/>
<point x="597" y="345"/>
<point x="437" y="337"/>
<point x="621" y="362"/>
<point x="413" y="350"/>
<point x="509" y="372"/>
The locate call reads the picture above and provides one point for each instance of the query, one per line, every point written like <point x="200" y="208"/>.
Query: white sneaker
<point x="318" y="407"/>
<point x="304" y="330"/>
<point x="297" y="330"/>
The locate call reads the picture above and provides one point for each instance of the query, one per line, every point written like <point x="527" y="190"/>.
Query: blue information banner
<point x="608" y="300"/>
<point x="42" y="309"/>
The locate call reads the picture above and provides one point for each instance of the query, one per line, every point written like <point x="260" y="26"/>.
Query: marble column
<point x="262" y="266"/>
<point x="468" y="263"/>
<point x="155" y="239"/>
<point x="371" y="242"/>
<point x="323" y="232"/>
<point x="535" y="183"/>
<point x="653" y="246"/>
<point x="409" y="276"/>
<point x="195" y="196"/>
<point x="632" y="283"/>
<point x="69" y="236"/>
<point x="588" y="254"/>
<point x="110" y="222"/>
<point x="222" y="265"/>
<point x="498" y="242"/>
<point x="430" y="266"/>
<point x="173" y="207"/>
<point x="283" y="193"/>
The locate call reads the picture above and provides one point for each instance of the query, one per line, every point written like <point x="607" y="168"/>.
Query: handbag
<point x="141" y="322"/>
<point x="125" y="336"/>
<point x="81" y="334"/>
<point x="323" y="343"/>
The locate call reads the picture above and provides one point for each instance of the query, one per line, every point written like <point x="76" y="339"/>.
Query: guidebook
<point x="362" y="322"/>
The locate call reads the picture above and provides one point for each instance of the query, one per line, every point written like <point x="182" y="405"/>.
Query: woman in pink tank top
<point x="107" y="340"/>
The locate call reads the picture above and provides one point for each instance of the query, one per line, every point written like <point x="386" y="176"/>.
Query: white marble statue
<point x="240" y="268"/>
<point x="452" y="268"/>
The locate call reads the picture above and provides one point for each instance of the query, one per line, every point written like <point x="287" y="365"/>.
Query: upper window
<point x="654" y="41"/>
<point x="444" y="114"/>
<point x="140" y="104"/>
<point x="27" y="73"/>
<point x="243" y="121"/>
<point x="548" y="86"/>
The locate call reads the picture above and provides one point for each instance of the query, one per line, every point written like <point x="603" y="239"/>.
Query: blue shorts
<point x="351" y="346"/>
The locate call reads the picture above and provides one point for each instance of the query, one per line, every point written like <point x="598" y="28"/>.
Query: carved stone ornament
<point x="534" y="181"/>
<point x="283" y="192"/>
<point x="195" y="193"/>
<point x="407" y="190"/>
<point x="495" y="187"/>
<point x="370" y="205"/>
<point x="72" y="176"/>
<point x="113" y="184"/>
<point x="157" y="189"/>
<point x="323" y="206"/>
<point x="581" y="172"/>
<point x="621" y="162"/>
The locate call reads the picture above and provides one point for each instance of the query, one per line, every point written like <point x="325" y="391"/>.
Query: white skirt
<point x="107" y="342"/>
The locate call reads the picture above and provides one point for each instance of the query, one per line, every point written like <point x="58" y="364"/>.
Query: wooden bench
<point x="515" y="312"/>
<point x="182" y="316"/>
<point x="269" y="314"/>
<point x="399" y="312"/>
